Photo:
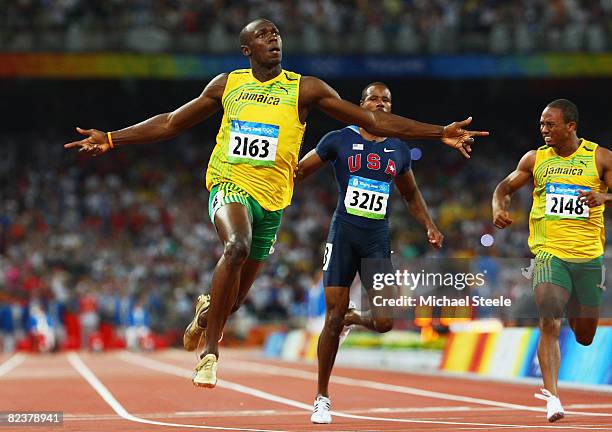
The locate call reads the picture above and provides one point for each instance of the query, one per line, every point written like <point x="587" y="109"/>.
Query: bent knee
<point x="550" y="326"/>
<point x="236" y="251"/>
<point x="334" y="320"/>
<point x="551" y="308"/>
<point x="383" y="325"/>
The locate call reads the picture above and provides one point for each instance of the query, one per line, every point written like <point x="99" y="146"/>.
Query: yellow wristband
<point x="110" y="139"/>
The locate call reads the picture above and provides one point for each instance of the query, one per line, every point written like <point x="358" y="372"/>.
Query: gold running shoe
<point x="206" y="372"/>
<point x="193" y="332"/>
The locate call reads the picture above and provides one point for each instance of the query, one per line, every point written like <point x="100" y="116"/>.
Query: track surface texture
<point x="123" y="391"/>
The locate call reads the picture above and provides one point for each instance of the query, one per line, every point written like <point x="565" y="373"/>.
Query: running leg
<point x="336" y="300"/>
<point x="234" y="230"/>
<point x="550" y="300"/>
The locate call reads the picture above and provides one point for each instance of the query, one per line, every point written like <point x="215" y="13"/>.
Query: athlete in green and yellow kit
<point x="250" y="173"/>
<point x="571" y="177"/>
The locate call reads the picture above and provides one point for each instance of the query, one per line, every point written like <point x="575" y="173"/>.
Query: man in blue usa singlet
<point x="365" y="167"/>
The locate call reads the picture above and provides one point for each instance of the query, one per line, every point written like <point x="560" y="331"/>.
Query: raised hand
<point x="457" y="137"/>
<point x="94" y="145"/>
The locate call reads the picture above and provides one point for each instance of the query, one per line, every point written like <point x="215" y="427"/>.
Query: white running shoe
<point x="320" y="412"/>
<point x="347" y="329"/>
<point x="554" y="410"/>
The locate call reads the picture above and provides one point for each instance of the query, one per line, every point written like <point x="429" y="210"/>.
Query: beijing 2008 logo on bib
<point x="367" y="197"/>
<point x="563" y="202"/>
<point x="252" y="143"/>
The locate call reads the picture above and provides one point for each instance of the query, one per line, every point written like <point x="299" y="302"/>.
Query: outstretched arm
<point x="314" y="93"/>
<point x="308" y="165"/>
<point x="406" y="184"/>
<point x="159" y="127"/>
<point x="514" y="181"/>
<point x="604" y="166"/>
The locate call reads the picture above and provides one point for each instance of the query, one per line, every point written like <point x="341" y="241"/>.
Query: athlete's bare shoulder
<point x="315" y="93"/>
<point x="215" y="88"/>
<point x="312" y="89"/>
<point x="527" y="162"/>
<point x="603" y="153"/>
<point x="603" y="156"/>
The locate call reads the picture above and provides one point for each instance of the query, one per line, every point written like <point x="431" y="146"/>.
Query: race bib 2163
<point x="252" y="143"/>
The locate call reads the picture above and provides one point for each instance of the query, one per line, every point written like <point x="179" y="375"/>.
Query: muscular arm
<point x="604" y="156"/>
<point x="406" y="184"/>
<point x="314" y="93"/>
<point x="308" y="165"/>
<point x="604" y="167"/>
<point x="168" y="125"/>
<point x="504" y="190"/>
<point x="159" y="127"/>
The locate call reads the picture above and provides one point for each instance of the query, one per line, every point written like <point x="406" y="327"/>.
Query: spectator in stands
<point x="323" y="25"/>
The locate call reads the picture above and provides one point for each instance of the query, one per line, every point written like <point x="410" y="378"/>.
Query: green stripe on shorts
<point x="225" y="193"/>
<point x="264" y="223"/>
<point x="582" y="279"/>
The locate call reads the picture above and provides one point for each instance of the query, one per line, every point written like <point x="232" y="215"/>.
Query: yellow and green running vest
<point x="259" y="138"/>
<point x="559" y="223"/>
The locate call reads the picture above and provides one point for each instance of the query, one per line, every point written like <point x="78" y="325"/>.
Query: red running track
<point x="121" y="391"/>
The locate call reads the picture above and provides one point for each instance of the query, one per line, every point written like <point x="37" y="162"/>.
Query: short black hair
<point x="568" y="108"/>
<point x="244" y="33"/>
<point x="372" y="84"/>
<point x="244" y="36"/>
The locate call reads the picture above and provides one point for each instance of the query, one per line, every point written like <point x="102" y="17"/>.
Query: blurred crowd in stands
<point x="310" y="26"/>
<point x="112" y="251"/>
<point x="125" y="240"/>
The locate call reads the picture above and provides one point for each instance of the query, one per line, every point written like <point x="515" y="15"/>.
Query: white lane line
<point x="481" y="428"/>
<point x="171" y="369"/>
<point x="375" y="385"/>
<point x="270" y="412"/>
<point x="589" y="406"/>
<point x="105" y="394"/>
<point x="432" y="409"/>
<point x="13" y="361"/>
<point x="237" y="413"/>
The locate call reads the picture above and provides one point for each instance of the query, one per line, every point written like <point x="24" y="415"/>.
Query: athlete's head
<point x="260" y="40"/>
<point x="376" y="96"/>
<point x="559" y="122"/>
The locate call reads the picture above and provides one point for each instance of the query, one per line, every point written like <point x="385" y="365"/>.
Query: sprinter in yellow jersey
<point x="250" y="174"/>
<point x="571" y="177"/>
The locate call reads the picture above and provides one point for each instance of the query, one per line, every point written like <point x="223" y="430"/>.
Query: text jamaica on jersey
<point x="563" y="170"/>
<point x="258" y="97"/>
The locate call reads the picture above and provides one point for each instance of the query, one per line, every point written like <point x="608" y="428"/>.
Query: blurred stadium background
<point x="108" y="253"/>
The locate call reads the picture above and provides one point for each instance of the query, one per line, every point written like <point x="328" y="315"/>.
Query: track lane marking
<point x="108" y="397"/>
<point x="375" y="385"/>
<point x="10" y="364"/>
<point x="186" y="373"/>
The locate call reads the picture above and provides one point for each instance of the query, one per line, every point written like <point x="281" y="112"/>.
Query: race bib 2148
<point x="562" y="201"/>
